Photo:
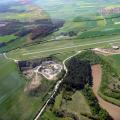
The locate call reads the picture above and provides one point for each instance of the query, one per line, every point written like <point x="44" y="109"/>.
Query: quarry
<point x="41" y="69"/>
<point x="49" y="69"/>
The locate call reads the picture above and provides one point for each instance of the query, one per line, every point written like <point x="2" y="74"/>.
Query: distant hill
<point x="68" y="9"/>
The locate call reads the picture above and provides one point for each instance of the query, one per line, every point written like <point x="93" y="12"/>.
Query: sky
<point x="3" y="1"/>
<point x="7" y="1"/>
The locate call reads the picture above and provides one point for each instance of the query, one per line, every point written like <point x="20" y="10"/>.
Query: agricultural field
<point x="14" y="102"/>
<point x="7" y="38"/>
<point x="8" y="68"/>
<point x="20" y="11"/>
<point x="70" y="9"/>
<point x="109" y="88"/>
<point x="70" y="102"/>
<point x="111" y="81"/>
<point x="45" y="49"/>
<point x="77" y="106"/>
<point x="47" y="63"/>
<point x="86" y="21"/>
<point x="115" y="60"/>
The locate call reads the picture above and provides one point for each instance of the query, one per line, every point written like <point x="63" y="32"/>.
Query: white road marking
<point x="30" y="53"/>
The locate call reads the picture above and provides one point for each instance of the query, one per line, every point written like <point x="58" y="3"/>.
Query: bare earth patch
<point x="50" y="69"/>
<point x="34" y="80"/>
<point x="112" y="109"/>
<point x="47" y="69"/>
<point x="106" y="52"/>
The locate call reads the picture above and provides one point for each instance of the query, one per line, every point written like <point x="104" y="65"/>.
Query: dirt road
<point x="106" y="52"/>
<point x="113" y="110"/>
<point x="55" y="88"/>
<point x="6" y="57"/>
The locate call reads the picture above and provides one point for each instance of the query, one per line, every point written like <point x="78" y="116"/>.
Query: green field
<point x="77" y="106"/>
<point x="10" y="46"/>
<point x="32" y="105"/>
<point x="115" y="59"/>
<point x="10" y="79"/>
<point x="46" y="49"/>
<point x="7" y="38"/>
<point x="110" y="89"/>
<point x="88" y="26"/>
<point x="92" y="30"/>
<point x="32" y="12"/>
<point x="15" y="104"/>
<point x="69" y="10"/>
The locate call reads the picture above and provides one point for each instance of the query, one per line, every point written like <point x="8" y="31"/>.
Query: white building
<point x="115" y="47"/>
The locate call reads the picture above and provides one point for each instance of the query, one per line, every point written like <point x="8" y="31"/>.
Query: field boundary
<point x="74" y="46"/>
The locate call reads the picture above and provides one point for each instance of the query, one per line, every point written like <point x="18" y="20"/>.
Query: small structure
<point x="115" y="47"/>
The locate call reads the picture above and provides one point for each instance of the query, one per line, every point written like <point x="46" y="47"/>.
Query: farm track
<point x="8" y="58"/>
<point x="112" y="109"/>
<point x="107" y="53"/>
<point x="55" y="88"/>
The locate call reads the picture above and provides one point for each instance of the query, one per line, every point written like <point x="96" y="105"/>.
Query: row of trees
<point x="91" y="34"/>
<point x="97" y="111"/>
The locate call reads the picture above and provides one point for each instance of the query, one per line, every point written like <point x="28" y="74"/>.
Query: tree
<point x="103" y="115"/>
<point x="79" y="73"/>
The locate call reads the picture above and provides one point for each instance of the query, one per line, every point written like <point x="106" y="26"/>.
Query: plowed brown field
<point x="112" y="109"/>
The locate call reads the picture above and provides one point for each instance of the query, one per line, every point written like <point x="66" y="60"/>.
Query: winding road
<point x="112" y="109"/>
<point x="55" y="88"/>
<point x="8" y="58"/>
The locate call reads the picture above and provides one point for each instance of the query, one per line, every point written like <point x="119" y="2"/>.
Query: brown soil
<point x="112" y="109"/>
<point x="29" y="40"/>
<point x="107" y="52"/>
<point x="34" y="80"/>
